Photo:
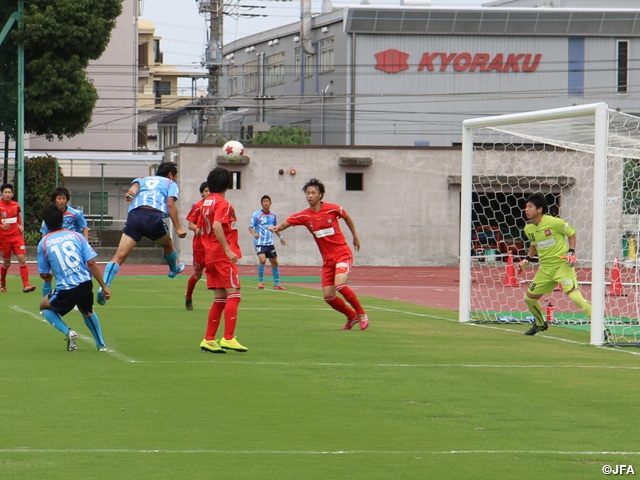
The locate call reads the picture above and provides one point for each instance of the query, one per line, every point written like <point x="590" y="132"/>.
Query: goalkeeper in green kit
<point x="554" y="241"/>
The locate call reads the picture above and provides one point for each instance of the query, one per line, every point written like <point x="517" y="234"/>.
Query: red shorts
<point x="198" y="260"/>
<point x="222" y="274"/>
<point x="335" y="266"/>
<point x="15" y="245"/>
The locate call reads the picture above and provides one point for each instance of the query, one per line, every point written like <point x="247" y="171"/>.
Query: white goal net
<point x="585" y="160"/>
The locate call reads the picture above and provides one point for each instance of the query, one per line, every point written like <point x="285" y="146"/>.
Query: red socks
<point x="229" y="306"/>
<point x="231" y="314"/>
<point x="338" y="304"/>
<point x="191" y="284"/>
<point x="24" y="274"/>
<point x="350" y="297"/>
<point x="213" y="320"/>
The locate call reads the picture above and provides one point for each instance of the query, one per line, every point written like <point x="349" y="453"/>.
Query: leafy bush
<point x="39" y="181"/>
<point x="31" y="237"/>
<point x="282" y="136"/>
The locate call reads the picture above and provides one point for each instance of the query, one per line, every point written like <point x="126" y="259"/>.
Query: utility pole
<point x="213" y="10"/>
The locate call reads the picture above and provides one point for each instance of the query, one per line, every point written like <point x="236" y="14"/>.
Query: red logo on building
<point x="392" y="61"/>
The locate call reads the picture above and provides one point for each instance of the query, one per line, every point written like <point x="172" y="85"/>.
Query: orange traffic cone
<point x="616" y="283"/>
<point x="510" y="279"/>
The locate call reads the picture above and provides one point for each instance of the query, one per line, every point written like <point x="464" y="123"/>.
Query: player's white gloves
<point x="522" y="264"/>
<point x="570" y="258"/>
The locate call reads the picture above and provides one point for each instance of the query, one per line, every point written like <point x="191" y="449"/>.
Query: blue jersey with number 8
<point x="154" y="192"/>
<point x="66" y="254"/>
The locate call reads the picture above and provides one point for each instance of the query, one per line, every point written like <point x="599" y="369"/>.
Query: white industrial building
<point x="408" y="76"/>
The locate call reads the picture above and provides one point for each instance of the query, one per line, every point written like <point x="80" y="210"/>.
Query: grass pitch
<point x="418" y="395"/>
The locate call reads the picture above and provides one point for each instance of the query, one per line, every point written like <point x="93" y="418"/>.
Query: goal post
<point x="575" y="156"/>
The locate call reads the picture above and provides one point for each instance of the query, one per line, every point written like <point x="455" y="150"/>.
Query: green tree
<point x="282" y="136"/>
<point x="40" y="180"/>
<point x="60" y="37"/>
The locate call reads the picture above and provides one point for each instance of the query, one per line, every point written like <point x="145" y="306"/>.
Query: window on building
<point x="298" y="67"/>
<point x="576" y="66"/>
<point x="143" y="56"/>
<point x="274" y="70"/>
<point x="160" y="89"/>
<point x="167" y="135"/>
<point x="622" y="66"/>
<point x="354" y="181"/>
<point x="235" y="181"/>
<point x="98" y="203"/>
<point x="91" y="203"/>
<point x="232" y="84"/>
<point x="327" y="55"/>
<point x="250" y="74"/>
<point x="308" y="65"/>
<point x="157" y="54"/>
<point x="297" y="64"/>
<point x="142" y="136"/>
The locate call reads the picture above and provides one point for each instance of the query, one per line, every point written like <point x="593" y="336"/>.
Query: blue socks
<point x="110" y="272"/>
<point x="54" y="319"/>
<point x="90" y="320"/>
<point x="93" y="324"/>
<point x="275" y="271"/>
<point x="172" y="259"/>
<point x="46" y="288"/>
<point x="261" y="273"/>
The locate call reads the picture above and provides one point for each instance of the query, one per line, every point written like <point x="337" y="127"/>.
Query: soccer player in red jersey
<point x="196" y="246"/>
<point x="322" y="221"/>
<point x="11" y="239"/>
<point x="219" y="232"/>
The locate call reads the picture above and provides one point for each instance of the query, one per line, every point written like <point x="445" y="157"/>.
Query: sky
<point x="184" y="30"/>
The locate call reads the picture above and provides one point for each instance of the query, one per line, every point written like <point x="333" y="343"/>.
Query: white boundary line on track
<point x="313" y="452"/>
<point x="84" y="338"/>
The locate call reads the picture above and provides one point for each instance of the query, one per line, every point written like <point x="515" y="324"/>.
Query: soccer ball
<point x="233" y="150"/>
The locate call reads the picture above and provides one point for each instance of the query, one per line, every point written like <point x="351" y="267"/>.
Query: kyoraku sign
<point x="394" y="61"/>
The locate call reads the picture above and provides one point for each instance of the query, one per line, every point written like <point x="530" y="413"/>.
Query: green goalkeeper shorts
<point x="546" y="280"/>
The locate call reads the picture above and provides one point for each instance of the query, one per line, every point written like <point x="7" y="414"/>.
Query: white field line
<point x="549" y="337"/>
<point x="84" y="338"/>
<point x="403" y="365"/>
<point x="311" y="452"/>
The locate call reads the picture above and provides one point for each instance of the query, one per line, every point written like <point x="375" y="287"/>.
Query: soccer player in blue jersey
<point x="72" y="219"/>
<point x="263" y="242"/>
<point x="72" y="260"/>
<point x="152" y="200"/>
<point x="554" y="241"/>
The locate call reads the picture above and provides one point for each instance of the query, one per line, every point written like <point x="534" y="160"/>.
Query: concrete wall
<point x="407" y="213"/>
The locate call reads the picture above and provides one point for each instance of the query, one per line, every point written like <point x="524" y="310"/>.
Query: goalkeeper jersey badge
<point x="547" y="232"/>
